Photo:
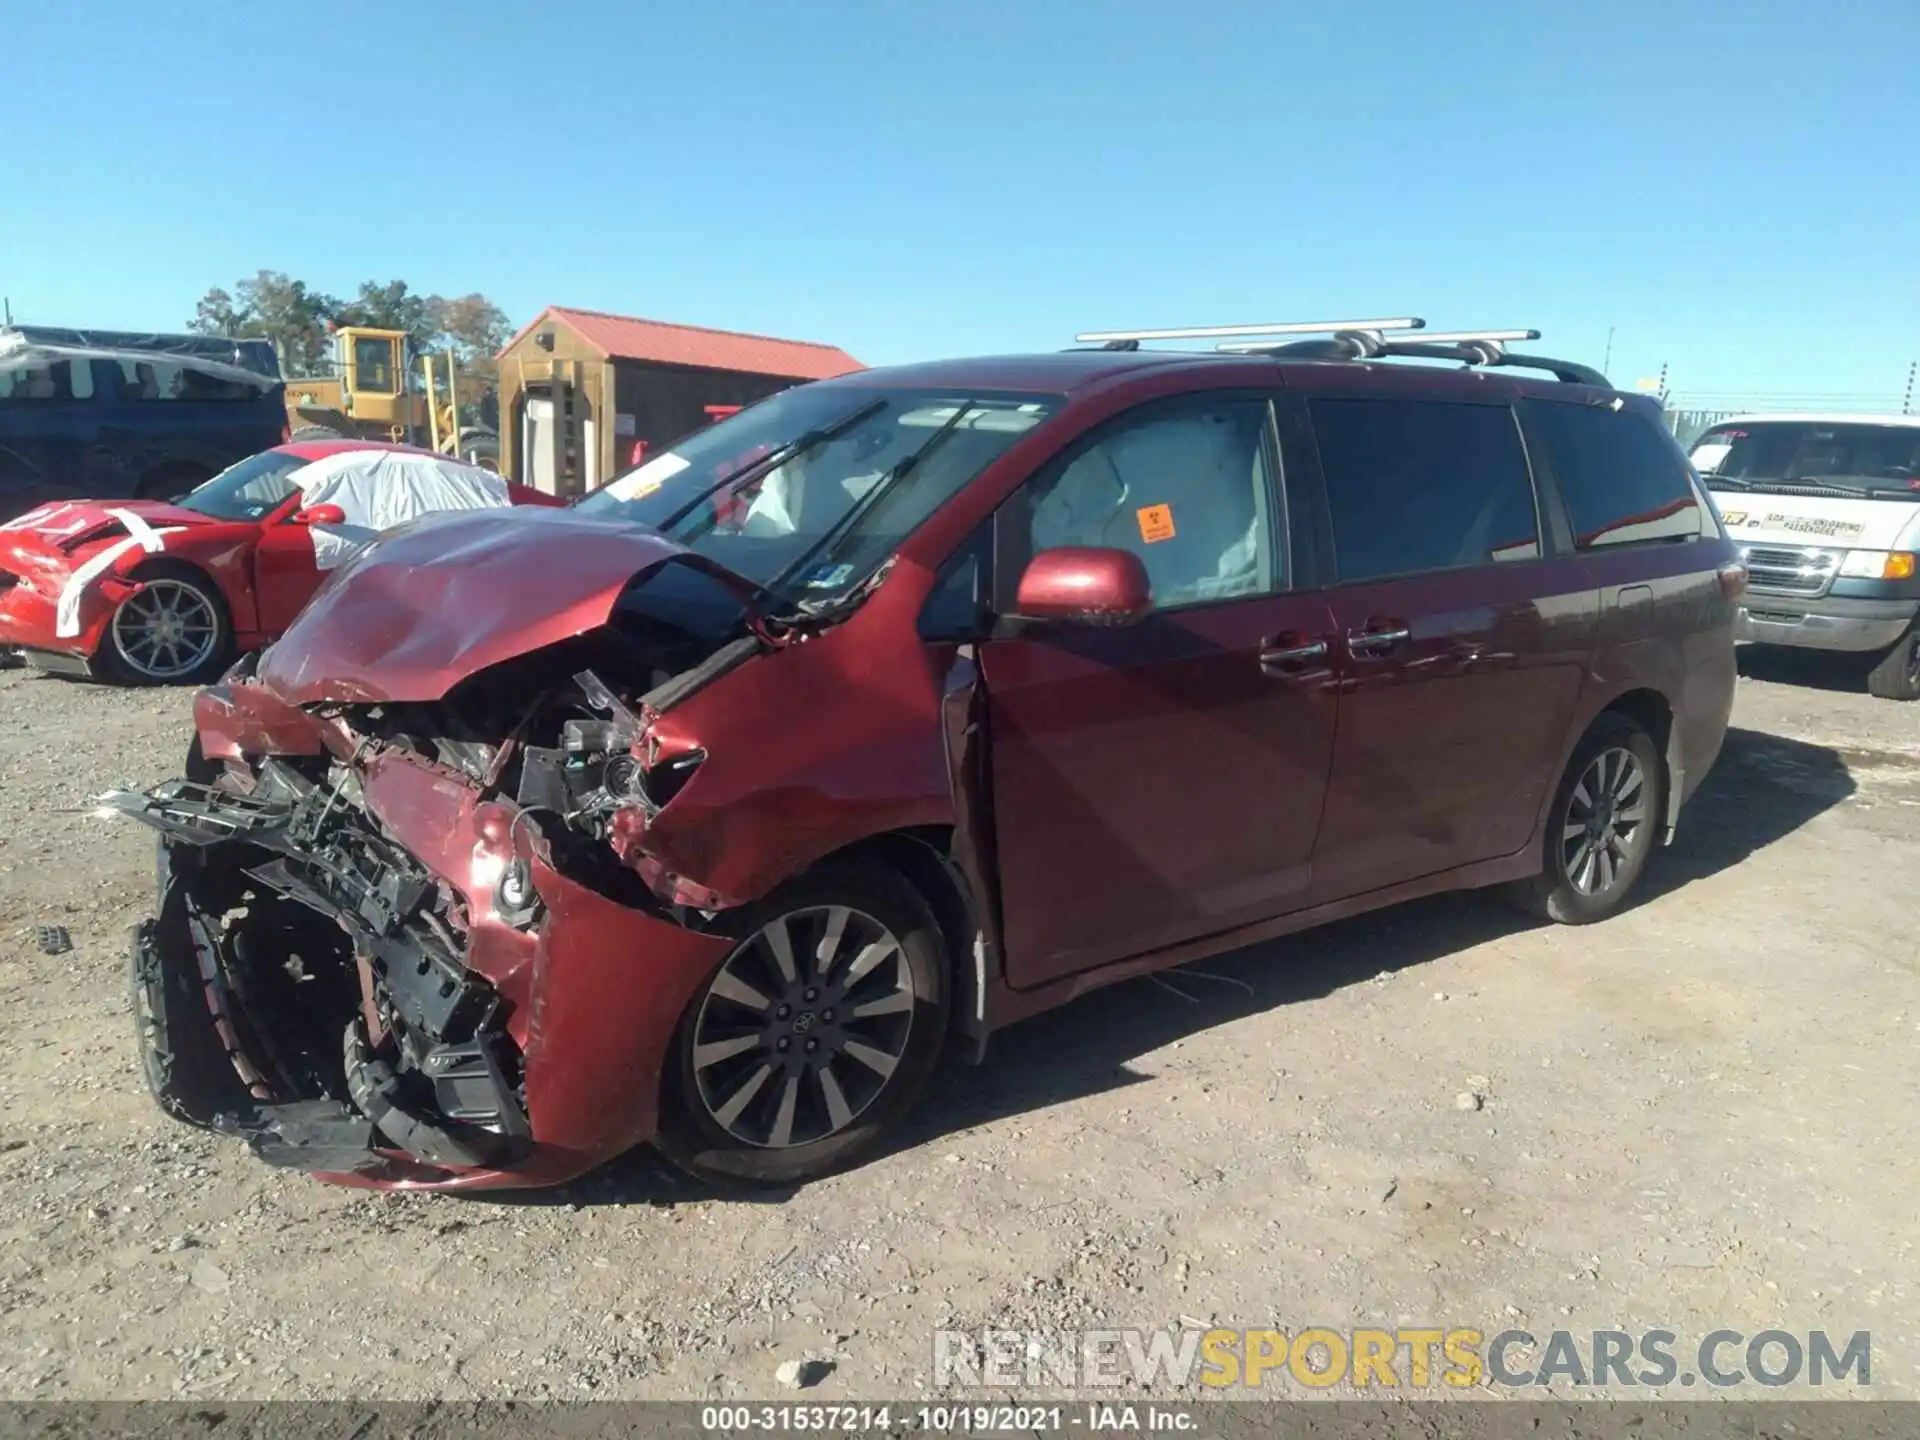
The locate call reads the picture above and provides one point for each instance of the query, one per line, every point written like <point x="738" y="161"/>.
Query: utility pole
<point x="1606" y="365"/>
<point x="7" y="306"/>
<point x="1906" y="402"/>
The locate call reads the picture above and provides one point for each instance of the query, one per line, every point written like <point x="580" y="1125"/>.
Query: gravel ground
<point x="1697" y="1115"/>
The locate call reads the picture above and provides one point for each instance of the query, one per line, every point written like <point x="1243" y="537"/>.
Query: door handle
<point x="1371" y="644"/>
<point x="1289" y="659"/>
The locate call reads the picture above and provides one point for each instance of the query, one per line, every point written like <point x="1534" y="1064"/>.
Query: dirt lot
<point x="1697" y="1115"/>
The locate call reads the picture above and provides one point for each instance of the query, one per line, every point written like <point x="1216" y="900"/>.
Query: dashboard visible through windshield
<point x="808" y="492"/>
<point x="1798" y="455"/>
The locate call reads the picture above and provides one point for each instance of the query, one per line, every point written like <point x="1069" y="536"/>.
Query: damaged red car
<point x="164" y="592"/>
<point x="895" y="709"/>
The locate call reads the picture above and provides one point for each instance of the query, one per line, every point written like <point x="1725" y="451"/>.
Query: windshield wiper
<point x="1727" y="480"/>
<point x="857" y="512"/>
<point x="801" y="444"/>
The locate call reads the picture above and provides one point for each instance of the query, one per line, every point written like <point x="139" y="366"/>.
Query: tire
<point x="189" y="594"/>
<point x="314" y="432"/>
<point x="479" y="447"/>
<point x="1573" y="886"/>
<point x="1897" y="676"/>
<point x="768" y="1112"/>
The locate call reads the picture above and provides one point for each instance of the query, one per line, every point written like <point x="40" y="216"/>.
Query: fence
<point x="1689" y="413"/>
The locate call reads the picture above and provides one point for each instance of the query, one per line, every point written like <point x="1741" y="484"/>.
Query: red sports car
<point x="153" y="592"/>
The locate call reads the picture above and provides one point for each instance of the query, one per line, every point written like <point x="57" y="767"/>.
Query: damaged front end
<point x="449" y="866"/>
<point x="399" y="944"/>
<point x="281" y="912"/>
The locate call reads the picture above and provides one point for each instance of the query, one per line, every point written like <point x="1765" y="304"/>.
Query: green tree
<point x="473" y="327"/>
<point x="273" y="305"/>
<point x="392" y="306"/>
<point x="218" y="313"/>
<point x="296" y="319"/>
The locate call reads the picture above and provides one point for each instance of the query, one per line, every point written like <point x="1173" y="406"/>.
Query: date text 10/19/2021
<point x="1096" y="1418"/>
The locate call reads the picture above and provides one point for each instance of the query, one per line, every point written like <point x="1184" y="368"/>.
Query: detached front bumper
<point x="1829" y="623"/>
<point x="485" y="1034"/>
<point x="29" y="623"/>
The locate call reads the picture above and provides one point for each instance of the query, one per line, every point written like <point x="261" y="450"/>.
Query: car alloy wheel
<point x="168" y="631"/>
<point x="803" y="1027"/>
<point x="1605" y="821"/>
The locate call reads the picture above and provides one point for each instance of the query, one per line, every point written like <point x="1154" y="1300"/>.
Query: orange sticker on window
<point x="1156" y="522"/>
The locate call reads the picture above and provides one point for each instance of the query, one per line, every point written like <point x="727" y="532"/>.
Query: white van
<point x="1826" y="509"/>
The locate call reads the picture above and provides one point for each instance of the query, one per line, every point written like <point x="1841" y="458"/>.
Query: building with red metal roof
<point x="584" y="394"/>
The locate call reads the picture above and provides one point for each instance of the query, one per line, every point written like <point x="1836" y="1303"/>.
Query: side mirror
<point x="1089" y="585"/>
<point x="320" y="515"/>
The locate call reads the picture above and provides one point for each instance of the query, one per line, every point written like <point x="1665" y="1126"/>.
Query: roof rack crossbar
<point x="1469" y="347"/>
<point x="1216" y="332"/>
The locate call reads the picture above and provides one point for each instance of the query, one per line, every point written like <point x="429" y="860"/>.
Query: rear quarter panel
<point x="1666" y="626"/>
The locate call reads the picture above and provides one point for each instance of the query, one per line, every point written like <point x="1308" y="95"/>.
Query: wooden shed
<point x="584" y="394"/>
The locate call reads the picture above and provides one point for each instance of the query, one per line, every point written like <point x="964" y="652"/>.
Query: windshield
<point x="251" y="490"/>
<point x="1809" y="456"/>
<point x="807" y="492"/>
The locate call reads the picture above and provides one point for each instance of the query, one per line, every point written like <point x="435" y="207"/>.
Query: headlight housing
<point x="1878" y="564"/>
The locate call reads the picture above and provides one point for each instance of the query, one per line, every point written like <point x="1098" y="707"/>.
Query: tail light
<point x="1733" y="581"/>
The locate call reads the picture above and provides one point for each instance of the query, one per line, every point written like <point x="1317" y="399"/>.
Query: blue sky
<point x="1732" y="185"/>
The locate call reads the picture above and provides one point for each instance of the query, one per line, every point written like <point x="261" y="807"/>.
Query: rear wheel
<point x="1897" y="676"/>
<point x="813" y="1037"/>
<point x="175" y="631"/>
<point x="1602" y="828"/>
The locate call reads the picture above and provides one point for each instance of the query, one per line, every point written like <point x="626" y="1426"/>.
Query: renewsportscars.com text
<point x="1405" y="1357"/>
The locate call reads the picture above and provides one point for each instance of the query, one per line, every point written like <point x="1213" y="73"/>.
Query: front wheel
<point x="1897" y="676"/>
<point x="175" y="631"/>
<point x="1606" y="815"/>
<point x="815" y="1035"/>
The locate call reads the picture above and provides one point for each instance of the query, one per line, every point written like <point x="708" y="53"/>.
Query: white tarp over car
<point x="380" y="489"/>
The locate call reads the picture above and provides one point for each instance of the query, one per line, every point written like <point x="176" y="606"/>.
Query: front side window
<point x="807" y="492"/>
<point x="373" y="364"/>
<point x="1624" y="479"/>
<point x="251" y="490"/>
<point x="1415" y="486"/>
<point x="1185" y="486"/>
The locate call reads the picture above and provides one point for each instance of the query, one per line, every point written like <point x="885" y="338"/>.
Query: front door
<point x="1161" y="781"/>
<point x="1460" y="639"/>
<point x="285" y="574"/>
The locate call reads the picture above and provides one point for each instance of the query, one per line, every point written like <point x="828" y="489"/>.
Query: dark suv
<point x="102" y="414"/>
<point x="905" y="705"/>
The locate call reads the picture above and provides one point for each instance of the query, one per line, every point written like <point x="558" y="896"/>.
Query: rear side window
<point x="1624" y="479"/>
<point x="56" y="381"/>
<point x="1417" y="485"/>
<point x="167" y="380"/>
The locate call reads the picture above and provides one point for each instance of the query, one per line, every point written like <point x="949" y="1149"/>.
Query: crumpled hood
<point x="60" y="536"/>
<point x="452" y="594"/>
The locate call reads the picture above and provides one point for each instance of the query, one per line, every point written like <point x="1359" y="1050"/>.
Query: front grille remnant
<point x="1791" y="570"/>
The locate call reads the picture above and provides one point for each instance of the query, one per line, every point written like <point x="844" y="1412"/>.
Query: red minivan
<point x="902" y="706"/>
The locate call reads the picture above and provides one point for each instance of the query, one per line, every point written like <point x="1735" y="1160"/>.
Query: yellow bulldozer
<point x="367" y="395"/>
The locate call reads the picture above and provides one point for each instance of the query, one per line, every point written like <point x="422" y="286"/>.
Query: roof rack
<point x="1406" y="338"/>
<point x="1130" y="339"/>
